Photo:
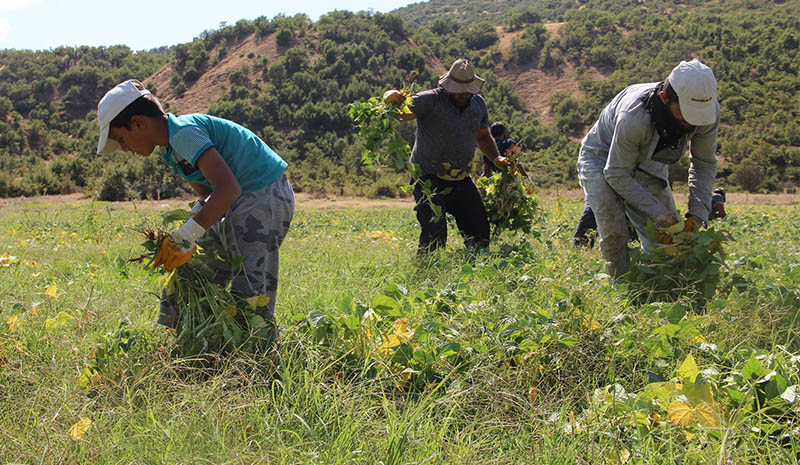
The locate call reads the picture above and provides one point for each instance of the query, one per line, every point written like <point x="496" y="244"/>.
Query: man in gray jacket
<point x="623" y="161"/>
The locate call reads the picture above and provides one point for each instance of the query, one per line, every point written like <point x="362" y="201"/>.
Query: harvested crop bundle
<point x="211" y="319"/>
<point x="509" y="204"/>
<point x="689" y="267"/>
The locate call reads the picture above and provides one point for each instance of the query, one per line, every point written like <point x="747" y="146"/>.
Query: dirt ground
<point x="304" y="200"/>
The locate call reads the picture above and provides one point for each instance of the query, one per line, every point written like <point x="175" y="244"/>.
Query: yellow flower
<point x="80" y="428"/>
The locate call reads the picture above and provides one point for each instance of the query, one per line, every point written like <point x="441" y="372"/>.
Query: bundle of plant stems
<point x="510" y="204"/>
<point x="211" y="319"/>
<point x="687" y="268"/>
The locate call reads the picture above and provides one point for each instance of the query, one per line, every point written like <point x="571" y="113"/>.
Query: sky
<point x="147" y="24"/>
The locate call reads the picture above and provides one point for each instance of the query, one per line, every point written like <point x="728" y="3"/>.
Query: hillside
<point x="535" y="86"/>
<point x="550" y="67"/>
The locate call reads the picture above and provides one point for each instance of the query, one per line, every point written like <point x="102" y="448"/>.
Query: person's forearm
<point x="489" y="148"/>
<point x="201" y="189"/>
<point x="218" y="203"/>
<point x="632" y="192"/>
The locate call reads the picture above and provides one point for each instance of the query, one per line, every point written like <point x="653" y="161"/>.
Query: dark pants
<point x="586" y="222"/>
<point x="463" y="202"/>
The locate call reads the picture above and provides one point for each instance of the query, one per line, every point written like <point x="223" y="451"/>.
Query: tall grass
<point x="540" y="331"/>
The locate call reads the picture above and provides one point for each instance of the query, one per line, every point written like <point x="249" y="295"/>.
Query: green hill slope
<point x="550" y="68"/>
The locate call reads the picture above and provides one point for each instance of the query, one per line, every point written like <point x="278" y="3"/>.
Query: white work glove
<point x="196" y="208"/>
<point x="188" y="234"/>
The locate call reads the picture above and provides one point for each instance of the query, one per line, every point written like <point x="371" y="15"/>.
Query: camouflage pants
<point x="254" y="228"/>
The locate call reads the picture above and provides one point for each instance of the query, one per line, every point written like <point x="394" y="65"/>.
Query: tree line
<point x="298" y="101"/>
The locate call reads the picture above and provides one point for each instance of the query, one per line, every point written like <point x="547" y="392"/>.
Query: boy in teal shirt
<point x="246" y="202"/>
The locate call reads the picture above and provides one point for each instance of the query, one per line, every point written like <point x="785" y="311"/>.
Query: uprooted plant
<point x="211" y="318"/>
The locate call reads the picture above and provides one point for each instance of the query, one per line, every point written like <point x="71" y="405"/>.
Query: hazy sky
<point x="146" y="24"/>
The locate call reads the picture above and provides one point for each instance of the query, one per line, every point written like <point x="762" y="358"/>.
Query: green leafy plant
<point x="378" y="123"/>
<point x="111" y="359"/>
<point x="509" y="204"/>
<point x="688" y="267"/>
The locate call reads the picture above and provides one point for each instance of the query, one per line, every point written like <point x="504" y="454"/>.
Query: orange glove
<point x="170" y="255"/>
<point x="692" y="223"/>
<point x="663" y="237"/>
<point x="664" y="221"/>
<point x="177" y="249"/>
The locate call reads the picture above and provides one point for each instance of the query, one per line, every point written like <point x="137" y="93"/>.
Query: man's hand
<point x="393" y="96"/>
<point x="662" y="222"/>
<point x="692" y="223"/>
<point x="501" y="162"/>
<point x="170" y="255"/>
<point x="666" y="219"/>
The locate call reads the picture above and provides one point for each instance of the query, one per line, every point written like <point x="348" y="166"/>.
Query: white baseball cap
<point x="115" y="100"/>
<point x="696" y="87"/>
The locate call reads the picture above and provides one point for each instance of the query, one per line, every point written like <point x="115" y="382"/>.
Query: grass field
<point x="524" y="355"/>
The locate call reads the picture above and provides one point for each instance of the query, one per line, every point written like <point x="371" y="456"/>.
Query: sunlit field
<point x="526" y="354"/>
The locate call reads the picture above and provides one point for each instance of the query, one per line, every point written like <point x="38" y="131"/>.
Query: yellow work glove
<point x="692" y="223"/>
<point x="502" y="162"/>
<point x="177" y="249"/>
<point x="393" y="96"/>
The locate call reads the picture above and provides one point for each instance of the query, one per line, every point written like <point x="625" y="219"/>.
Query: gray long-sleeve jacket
<point x="623" y="140"/>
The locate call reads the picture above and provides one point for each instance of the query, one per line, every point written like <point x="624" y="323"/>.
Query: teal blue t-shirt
<point x="250" y="159"/>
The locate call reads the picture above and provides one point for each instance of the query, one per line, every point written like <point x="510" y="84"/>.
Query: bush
<point x="748" y="175"/>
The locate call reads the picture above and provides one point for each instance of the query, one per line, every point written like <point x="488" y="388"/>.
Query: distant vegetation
<point x="298" y="101"/>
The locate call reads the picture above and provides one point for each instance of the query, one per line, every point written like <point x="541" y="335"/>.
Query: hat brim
<point x="473" y="87"/>
<point x="698" y="113"/>
<point x="105" y="145"/>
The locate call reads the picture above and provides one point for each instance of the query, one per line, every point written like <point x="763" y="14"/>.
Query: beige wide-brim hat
<point x="461" y="78"/>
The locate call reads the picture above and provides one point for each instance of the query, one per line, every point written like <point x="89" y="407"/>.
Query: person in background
<point x="623" y="160"/>
<point x="505" y="145"/>
<point x="238" y="177"/>
<point x="717" y="204"/>
<point x="452" y="120"/>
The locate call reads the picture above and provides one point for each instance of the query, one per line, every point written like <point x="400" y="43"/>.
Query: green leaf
<point x="753" y="370"/>
<point x="568" y="340"/>
<point x="699" y="393"/>
<point x="675" y="312"/>
<point x="175" y="216"/>
<point x="56" y="322"/>
<point x="387" y="305"/>
<point x="449" y="349"/>
<point x="776" y="385"/>
<point x="346" y="304"/>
